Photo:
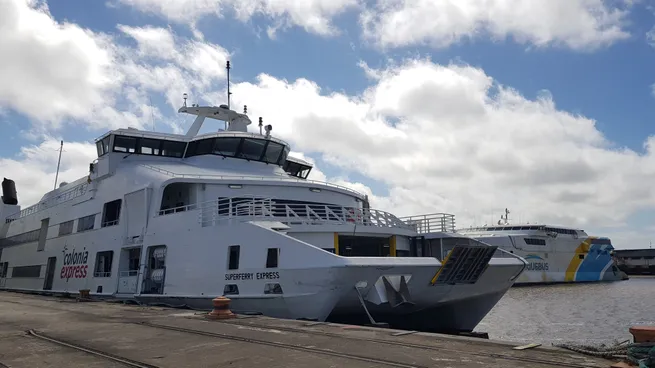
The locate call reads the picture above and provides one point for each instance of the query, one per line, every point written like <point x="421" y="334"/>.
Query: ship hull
<point x="433" y="308"/>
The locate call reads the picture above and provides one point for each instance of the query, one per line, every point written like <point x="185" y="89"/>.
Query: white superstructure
<point x="181" y="219"/>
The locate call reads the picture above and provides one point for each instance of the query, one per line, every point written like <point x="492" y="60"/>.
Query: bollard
<point x="221" y="309"/>
<point x="84" y="294"/>
<point x="643" y="333"/>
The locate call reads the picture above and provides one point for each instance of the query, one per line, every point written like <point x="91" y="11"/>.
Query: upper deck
<point x="191" y="156"/>
<point x="542" y="229"/>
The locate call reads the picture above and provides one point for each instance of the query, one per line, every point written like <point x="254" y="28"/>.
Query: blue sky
<point x="609" y="82"/>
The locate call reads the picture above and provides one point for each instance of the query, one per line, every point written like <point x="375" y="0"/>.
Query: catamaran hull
<point x="432" y="308"/>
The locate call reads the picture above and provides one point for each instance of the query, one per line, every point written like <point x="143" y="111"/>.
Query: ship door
<point x="4" y="268"/>
<point x="136" y="215"/>
<point x="129" y="265"/>
<point x="50" y="273"/>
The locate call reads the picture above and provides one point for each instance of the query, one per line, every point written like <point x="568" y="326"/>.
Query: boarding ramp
<point x="464" y="264"/>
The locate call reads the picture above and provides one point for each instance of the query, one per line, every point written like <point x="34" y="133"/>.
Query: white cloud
<point x="450" y="138"/>
<point x="650" y="36"/>
<point x="55" y="72"/>
<point x="50" y="70"/>
<point x="312" y="15"/>
<point x="577" y="24"/>
<point x="35" y="167"/>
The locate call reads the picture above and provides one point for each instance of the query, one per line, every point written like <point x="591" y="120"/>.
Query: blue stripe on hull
<point x="595" y="262"/>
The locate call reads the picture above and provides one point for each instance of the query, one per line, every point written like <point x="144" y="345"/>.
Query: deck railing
<point x="64" y="196"/>
<point x="271" y="209"/>
<point x="431" y="223"/>
<point x="280" y="177"/>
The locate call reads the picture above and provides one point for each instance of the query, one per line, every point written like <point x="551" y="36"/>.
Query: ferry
<point x="181" y="219"/>
<point x="555" y="254"/>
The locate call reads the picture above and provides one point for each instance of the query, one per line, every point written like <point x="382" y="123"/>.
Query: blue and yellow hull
<point x="591" y="261"/>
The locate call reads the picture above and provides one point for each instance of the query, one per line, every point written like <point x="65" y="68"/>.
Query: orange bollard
<point x="221" y="309"/>
<point x="643" y="333"/>
<point x="84" y="294"/>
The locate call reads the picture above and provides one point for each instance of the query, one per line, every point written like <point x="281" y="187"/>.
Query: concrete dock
<point x="40" y="331"/>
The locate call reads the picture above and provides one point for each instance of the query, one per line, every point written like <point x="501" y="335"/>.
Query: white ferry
<point x="182" y="219"/>
<point x="555" y="254"/>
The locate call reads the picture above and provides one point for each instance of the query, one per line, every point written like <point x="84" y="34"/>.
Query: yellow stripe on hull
<point x="583" y="249"/>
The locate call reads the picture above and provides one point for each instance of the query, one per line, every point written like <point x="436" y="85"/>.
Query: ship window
<point x="296" y="169"/>
<point x="172" y="149"/>
<point x="3" y="269"/>
<point x="581" y="256"/>
<point x="124" y="144"/>
<point x="103" y="264"/>
<point x="272" y="257"/>
<point x="111" y="214"/>
<point x="99" y="148"/>
<point x="273" y="151"/>
<point x="226" y="146"/>
<point x="66" y="228"/>
<point x="273" y="289"/>
<point x="233" y="256"/>
<point x="28" y="237"/>
<point x="149" y="147"/>
<point x="26" y="271"/>
<point x="252" y="149"/>
<point x="86" y="223"/>
<point x="204" y="147"/>
<point x="532" y="241"/>
<point x="231" y="289"/>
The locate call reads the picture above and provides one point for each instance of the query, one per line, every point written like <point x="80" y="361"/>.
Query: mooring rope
<point x="642" y="354"/>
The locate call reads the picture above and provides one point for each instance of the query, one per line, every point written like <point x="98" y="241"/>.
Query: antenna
<point x="228" y="84"/>
<point x="152" y="114"/>
<point x="505" y="218"/>
<point x="61" y="148"/>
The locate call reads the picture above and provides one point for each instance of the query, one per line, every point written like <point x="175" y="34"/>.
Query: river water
<point x="582" y="313"/>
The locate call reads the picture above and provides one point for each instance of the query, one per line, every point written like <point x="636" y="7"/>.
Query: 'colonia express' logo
<point x="536" y="263"/>
<point x="75" y="266"/>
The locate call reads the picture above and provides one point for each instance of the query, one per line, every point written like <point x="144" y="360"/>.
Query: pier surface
<point x="39" y="331"/>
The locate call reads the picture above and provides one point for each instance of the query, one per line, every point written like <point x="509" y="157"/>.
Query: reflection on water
<point x="583" y="313"/>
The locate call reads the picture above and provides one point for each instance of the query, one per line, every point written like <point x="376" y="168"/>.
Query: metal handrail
<point x="431" y="223"/>
<point x="251" y="177"/>
<point x="271" y="209"/>
<point x="70" y="194"/>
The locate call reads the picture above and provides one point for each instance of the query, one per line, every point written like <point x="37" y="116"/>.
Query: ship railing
<point x="431" y="223"/>
<point x="271" y="209"/>
<point x="275" y="177"/>
<point x="128" y="273"/>
<point x="65" y="196"/>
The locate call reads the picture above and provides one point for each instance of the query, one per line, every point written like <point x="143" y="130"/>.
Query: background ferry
<point x="555" y="254"/>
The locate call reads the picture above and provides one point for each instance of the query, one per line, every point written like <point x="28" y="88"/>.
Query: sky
<point x="544" y="107"/>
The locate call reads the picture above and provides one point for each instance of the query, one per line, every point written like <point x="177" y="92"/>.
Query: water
<point x="583" y="313"/>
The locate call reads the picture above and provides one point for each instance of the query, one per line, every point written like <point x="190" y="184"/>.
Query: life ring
<point x="352" y="217"/>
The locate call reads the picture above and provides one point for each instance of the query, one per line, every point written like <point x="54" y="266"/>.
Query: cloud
<point x="576" y="24"/>
<point x="56" y="72"/>
<point x="76" y="73"/>
<point x="312" y="15"/>
<point x="35" y="166"/>
<point x="451" y="138"/>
